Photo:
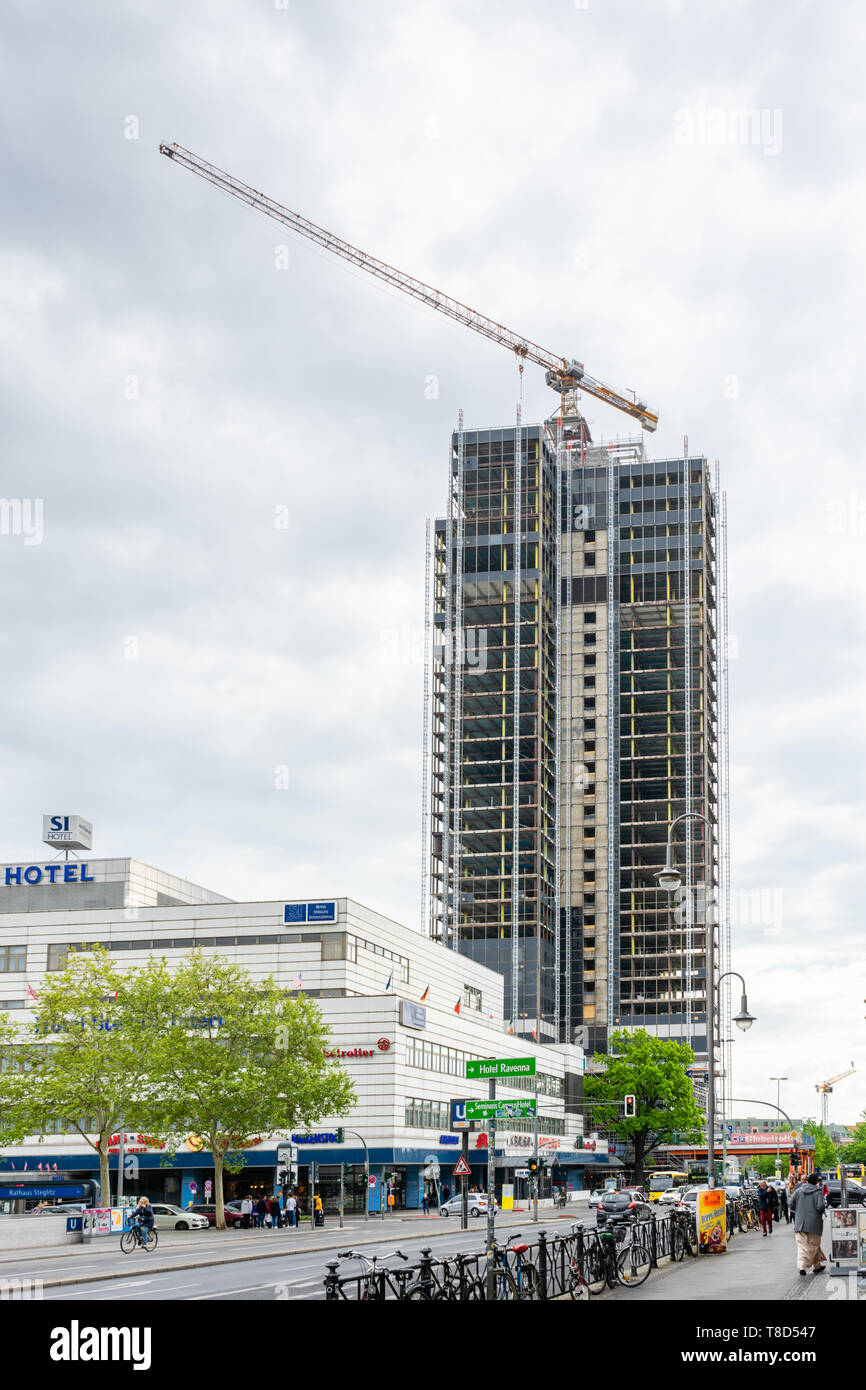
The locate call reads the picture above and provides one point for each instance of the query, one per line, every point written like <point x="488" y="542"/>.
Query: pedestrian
<point x="246" y="1214"/>
<point x="318" y="1211"/>
<point x="274" y="1210"/>
<point x="425" y="1204"/>
<point x="783" y="1204"/>
<point x="261" y="1213"/>
<point x="765" y="1207"/>
<point x="774" y="1205"/>
<point x="292" y="1209"/>
<point x="808" y="1205"/>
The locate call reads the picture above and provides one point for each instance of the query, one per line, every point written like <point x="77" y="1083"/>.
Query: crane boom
<point x="563" y="374"/>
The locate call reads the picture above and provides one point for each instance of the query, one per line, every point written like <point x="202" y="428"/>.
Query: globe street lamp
<point x="670" y="879"/>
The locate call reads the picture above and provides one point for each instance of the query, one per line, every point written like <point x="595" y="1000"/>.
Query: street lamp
<point x="778" y="1080"/>
<point x="670" y="879"/>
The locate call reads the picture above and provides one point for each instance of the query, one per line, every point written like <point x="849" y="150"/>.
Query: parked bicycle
<point x="607" y="1260"/>
<point x="376" y="1280"/>
<point x="514" y="1278"/>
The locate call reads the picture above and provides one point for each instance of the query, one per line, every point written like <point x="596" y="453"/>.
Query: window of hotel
<point x="12" y="1004"/>
<point x="334" y="947"/>
<point x="471" y="997"/>
<point x="13" y="959"/>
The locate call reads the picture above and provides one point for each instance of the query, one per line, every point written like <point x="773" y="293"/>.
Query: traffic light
<point x="282" y="1177"/>
<point x="339" y="1136"/>
<point x="630" y="1107"/>
<point x="314" y="1170"/>
<point x="532" y="1165"/>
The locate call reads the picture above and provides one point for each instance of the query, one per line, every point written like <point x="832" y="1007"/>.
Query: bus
<point x="851" y="1170"/>
<point x="665" y="1180"/>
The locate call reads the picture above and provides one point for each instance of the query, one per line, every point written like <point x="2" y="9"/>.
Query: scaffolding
<point x="517" y="534"/>
<point x="724" y="797"/>
<point x="426" y="924"/>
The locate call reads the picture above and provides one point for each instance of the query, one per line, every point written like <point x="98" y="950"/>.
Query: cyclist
<point x="142" y="1220"/>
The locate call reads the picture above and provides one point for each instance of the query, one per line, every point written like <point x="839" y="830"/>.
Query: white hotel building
<point x="407" y="1058"/>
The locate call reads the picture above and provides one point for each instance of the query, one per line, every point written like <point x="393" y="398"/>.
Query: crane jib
<point x="563" y="374"/>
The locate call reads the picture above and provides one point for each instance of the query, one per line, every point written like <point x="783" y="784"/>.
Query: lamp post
<point x="670" y="879"/>
<point x="778" y="1080"/>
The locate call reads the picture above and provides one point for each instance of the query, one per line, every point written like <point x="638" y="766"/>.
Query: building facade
<point x="404" y="1012"/>
<point x="618" y="730"/>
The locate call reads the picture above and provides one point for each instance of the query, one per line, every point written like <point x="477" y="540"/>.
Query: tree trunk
<point x="218" y="1189"/>
<point x="104" y="1180"/>
<point x="639" y="1140"/>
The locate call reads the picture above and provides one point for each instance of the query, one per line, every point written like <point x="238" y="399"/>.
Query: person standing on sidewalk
<point x="808" y="1206"/>
<point x="246" y="1213"/>
<point x="766" y="1208"/>
<point x="425" y="1204"/>
<point x="783" y="1204"/>
<point x="291" y="1209"/>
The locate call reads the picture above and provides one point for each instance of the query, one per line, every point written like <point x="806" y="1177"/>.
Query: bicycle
<point x="373" y="1281"/>
<point x="517" y="1280"/>
<point x="606" y="1263"/>
<point x="684" y="1239"/>
<point x="455" y="1284"/>
<point x="577" y="1285"/>
<point x="133" y="1238"/>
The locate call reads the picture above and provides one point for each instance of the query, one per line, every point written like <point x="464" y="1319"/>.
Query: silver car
<point x="477" y="1205"/>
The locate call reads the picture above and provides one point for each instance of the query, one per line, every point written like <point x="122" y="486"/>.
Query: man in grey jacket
<point x="808" y="1205"/>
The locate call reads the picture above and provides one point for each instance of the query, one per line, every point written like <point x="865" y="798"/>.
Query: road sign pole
<point x="464" y="1185"/>
<point x="491" y="1196"/>
<point x="342" y="1191"/>
<point x="535" y="1156"/>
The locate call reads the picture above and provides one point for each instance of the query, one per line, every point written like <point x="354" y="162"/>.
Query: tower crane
<point x="563" y="374"/>
<point x="825" y="1087"/>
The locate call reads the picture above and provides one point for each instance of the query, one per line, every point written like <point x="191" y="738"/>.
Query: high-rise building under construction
<point x="608" y="620"/>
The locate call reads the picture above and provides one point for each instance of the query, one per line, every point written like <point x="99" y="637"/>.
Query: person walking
<point x="246" y="1214"/>
<point x="775" y="1208"/>
<point x="783" y="1203"/>
<point x="292" y="1209"/>
<point x="808" y="1205"/>
<point x="766" y="1209"/>
<point x="425" y="1203"/>
<point x="261" y="1213"/>
<point x="274" y="1212"/>
<point x="319" y="1211"/>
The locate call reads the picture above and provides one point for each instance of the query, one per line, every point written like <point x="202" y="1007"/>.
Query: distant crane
<point x="564" y="375"/>
<point x="825" y="1087"/>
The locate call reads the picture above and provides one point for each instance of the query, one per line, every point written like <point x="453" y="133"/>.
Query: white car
<point x="477" y="1205"/>
<point x="167" y="1217"/>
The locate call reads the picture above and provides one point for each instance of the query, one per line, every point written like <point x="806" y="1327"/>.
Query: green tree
<point x="855" y="1150"/>
<point x="653" y="1070"/>
<point x="826" y="1153"/>
<point x="13" y="1127"/>
<point x="91" y="1050"/>
<point x="765" y="1164"/>
<point x="251" y="1064"/>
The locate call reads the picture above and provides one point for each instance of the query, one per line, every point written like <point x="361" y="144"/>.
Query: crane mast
<point x="825" y="1088"/>
<point x="564" y="375"/>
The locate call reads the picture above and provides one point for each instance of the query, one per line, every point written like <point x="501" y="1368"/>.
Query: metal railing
<point x="458" y="1278"/>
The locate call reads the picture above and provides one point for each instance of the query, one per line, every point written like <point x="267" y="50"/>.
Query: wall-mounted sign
<point x="355" y="1051"/>
<point x="449" y="1139"/>
<point x="334" y="1136"/>
<point x="72" y="832"/>
<point x="309" y="912"/>
<point x="49" y="873"/>
<point x="412" y="1015"/>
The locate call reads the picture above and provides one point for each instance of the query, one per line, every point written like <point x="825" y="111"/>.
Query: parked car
<point x="477" y="1205"/>
<point x="670" y="1196"/>
<point x="628" y="1205"/>
<point x="167" y="1217"/>
<point x="208" y="1209"/>
<point x="833" y="1193"/>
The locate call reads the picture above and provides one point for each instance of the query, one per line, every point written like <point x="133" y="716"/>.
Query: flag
<point x="532" y="1034"/>
<point x="490" y="1016"/>
<point x="511" y="1025"/>
<point x="424" y="995"/>
<point x="457" y="1007"/>
<point x="298" y="982"/>
<point x="31" y="993"/>
<point x="390" y="978"/>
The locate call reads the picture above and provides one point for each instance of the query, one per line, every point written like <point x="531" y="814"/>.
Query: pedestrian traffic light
<point x="630" y="1109"/>
<point x="282" y="1177"/>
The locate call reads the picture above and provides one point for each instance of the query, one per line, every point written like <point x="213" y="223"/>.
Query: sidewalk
<point x="755" y="1268"/>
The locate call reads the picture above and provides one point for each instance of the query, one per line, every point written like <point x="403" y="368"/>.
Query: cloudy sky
<point x="213" y="651"/>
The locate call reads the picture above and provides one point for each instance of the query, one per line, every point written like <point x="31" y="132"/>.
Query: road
<point x="295" y="1269"/>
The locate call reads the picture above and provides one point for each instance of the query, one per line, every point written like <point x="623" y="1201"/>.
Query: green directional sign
<point x="499" y="1109"/>
<point x="489" y="1068"/>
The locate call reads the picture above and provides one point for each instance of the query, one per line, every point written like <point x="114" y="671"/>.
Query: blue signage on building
<point x="310" y="912"/>
<point x="10" y="1193"/>
<point x="34" y="873"/>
